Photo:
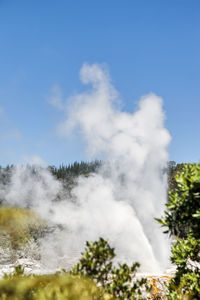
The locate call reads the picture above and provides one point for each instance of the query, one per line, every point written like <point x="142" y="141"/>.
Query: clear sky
<point x="148" y="46"/>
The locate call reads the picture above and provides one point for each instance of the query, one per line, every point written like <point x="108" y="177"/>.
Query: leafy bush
<point x="188" y="288"/>
<point x="96" y="262"/>
<point x="182" y="219"/>
<point x="18" y="225"/>
<point x="185" y="254"/>
<point x="48" y="287"/>
<point x="183" y="209"/>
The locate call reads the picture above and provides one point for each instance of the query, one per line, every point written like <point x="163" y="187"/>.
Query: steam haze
<point x="119" y="202"/>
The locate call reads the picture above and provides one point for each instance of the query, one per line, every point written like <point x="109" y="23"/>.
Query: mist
<point x="121" y="200"/>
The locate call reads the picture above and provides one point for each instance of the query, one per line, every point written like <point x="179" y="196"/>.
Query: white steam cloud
<point x="118" y="203"/>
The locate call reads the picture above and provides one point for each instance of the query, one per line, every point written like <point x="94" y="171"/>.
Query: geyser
<point x="119" y="202"/>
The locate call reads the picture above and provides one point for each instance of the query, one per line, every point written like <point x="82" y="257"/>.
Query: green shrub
<point x="183" y="208"/>
<point x="96" y="262"/>
<point x="48" y="287"/>
<point x="18" y="225"/>
<point x="186" y="282"/>
<point x="182" y="219"/>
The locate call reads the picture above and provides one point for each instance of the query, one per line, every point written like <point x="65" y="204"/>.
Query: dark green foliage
<point x="172" y="170"/>
<point x="182" y="219"/>
<point x="183" y="208"/>
<point x="97" y="263"/>
<point x="185" y="254"/>
<point x="69" y="174"/>
<point x="75" y="169"/>
<point x="186" y="282"/>
<point x="5" y="175"/>
<point x="185" y="250"/>
<point x="63" y="172"/>
<point x="188" y="288"/>
<point x="66" y="174"/>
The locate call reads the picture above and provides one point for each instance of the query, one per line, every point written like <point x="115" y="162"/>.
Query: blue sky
<point x="149" y="46"/>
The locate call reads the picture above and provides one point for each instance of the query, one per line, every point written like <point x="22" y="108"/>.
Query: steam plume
<point x="132" y="179"/>
<point x="118" y="203"/>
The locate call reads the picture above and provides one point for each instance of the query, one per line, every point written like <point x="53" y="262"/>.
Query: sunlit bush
<point x="18" y="225"/>
<point x="48" y="287"/>
<point x="182" y="219"/>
